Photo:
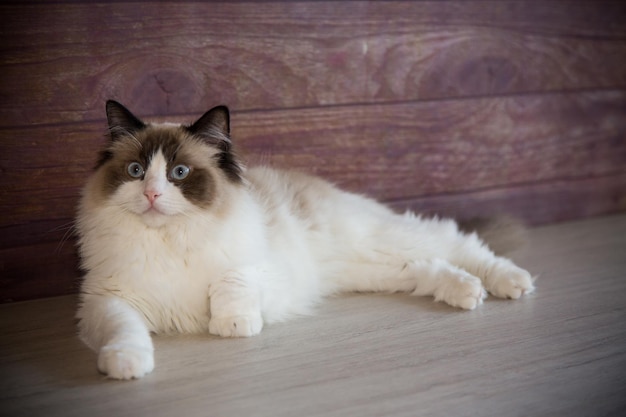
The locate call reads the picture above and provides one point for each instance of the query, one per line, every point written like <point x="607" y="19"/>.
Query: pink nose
<point x="151" y="195"/>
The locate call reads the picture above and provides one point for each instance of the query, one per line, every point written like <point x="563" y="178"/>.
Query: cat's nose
<point x="151" y="195"/>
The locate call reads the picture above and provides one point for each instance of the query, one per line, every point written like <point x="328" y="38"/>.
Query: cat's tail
<point x="503" y="234"/>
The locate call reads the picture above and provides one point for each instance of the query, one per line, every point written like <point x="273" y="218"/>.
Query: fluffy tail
<point x="502" y="234"/>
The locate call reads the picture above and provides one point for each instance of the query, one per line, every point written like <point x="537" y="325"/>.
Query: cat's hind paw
<point x="125" y="361"/>
<point x="510" y="281"/>
<point x="236" y="326"/>
<point x="465" y="291"/>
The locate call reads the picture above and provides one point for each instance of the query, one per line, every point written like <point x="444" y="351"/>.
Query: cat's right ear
<point x="213" y="126"/>
<point x="121" y="121"/>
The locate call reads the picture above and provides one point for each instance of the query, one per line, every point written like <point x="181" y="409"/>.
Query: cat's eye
<point x="180" y="172"/>
<point x="135" y="170"/>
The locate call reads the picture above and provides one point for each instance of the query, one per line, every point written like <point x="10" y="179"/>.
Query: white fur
<point x="278" y="245"/>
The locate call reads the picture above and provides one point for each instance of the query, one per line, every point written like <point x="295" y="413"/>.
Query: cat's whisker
<point x="63" y="226"/>
<point x="136" y="142"/>
<point x="70" y="230"/>
<point x="176" y="150"/>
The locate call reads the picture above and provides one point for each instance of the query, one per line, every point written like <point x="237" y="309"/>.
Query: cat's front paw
<point x="464" y="291"/>
<point x="236" y="326"/>
<point x="510" y="281"/>
<point x="125" y="361"/>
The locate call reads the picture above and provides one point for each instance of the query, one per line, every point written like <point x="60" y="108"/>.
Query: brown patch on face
<point x="199" y="186"/>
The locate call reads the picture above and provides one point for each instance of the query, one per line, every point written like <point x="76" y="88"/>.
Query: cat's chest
<point x="172" y="261"/>
<point x="157" y="260"/>
<point x="169" y="283"/>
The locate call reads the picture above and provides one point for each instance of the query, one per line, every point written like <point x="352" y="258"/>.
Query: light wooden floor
<point x="558" y="352"/>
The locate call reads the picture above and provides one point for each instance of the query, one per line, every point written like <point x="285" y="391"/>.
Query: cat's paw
<point x="464" y="291"/>
<point x="125" y="361"/>
<point x="236" y="326"/>
<point x="510" y="281"/>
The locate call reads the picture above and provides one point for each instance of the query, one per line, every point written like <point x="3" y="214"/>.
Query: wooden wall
<point x="453" y="107"/>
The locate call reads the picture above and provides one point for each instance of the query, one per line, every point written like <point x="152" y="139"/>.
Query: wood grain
<point x="59" y="62"/>
<point x="428" y="148"/>
<point x="558" y="352"/>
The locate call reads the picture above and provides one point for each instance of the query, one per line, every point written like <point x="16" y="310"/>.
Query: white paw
<point x="464" y="291"/>
<point x="510" y="281"/>
<point x="125" y="361"/>
<point x="236" y="326"/>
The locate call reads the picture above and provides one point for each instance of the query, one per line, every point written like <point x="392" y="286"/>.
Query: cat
<point x="176" y="235"/>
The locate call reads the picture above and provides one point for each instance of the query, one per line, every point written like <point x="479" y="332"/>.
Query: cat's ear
<point x="121" y="121"/>
<point x="213" y="126"/>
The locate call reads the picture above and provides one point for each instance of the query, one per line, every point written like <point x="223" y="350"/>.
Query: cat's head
<point x="156" y="171"/>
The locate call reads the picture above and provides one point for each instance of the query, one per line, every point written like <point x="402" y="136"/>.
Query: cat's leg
<point x="119" y="335"/>
<point x="446" y="283"/>
<point x="430" y="257"/>
<point x="434" y="277"/>
<point x="235" y="306"/>
<point x="416" y="238"/>
<point x="500" y="276"/>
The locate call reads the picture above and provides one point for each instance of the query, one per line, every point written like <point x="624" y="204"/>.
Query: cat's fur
<point x="226" y="250"/>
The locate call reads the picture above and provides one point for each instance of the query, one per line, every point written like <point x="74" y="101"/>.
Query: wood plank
<point x="537" y="204"/>
<point x="38" y="231"/>
<point x="558" y="352"/>
<point x="428" y="148"/>
<point x="41" y="269"/>
<point x="44" y="262"/>
<point x="387" y="151"/>
<point x="59" y="63"/>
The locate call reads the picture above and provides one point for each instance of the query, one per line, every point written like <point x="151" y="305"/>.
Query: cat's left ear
<point x="121" y="121"/>
<point x="213" y="126"/>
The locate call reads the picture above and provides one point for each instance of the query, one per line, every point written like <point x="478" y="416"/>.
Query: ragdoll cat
<point x="175" y="235"/>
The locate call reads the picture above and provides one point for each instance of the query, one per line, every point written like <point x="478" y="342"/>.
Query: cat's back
<point x="299" y="192"/>
<point x="317" y="203"/>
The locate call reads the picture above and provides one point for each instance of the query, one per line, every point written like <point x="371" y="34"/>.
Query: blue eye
<point x="135" y="170"/>
<point x="180" y="172"/>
